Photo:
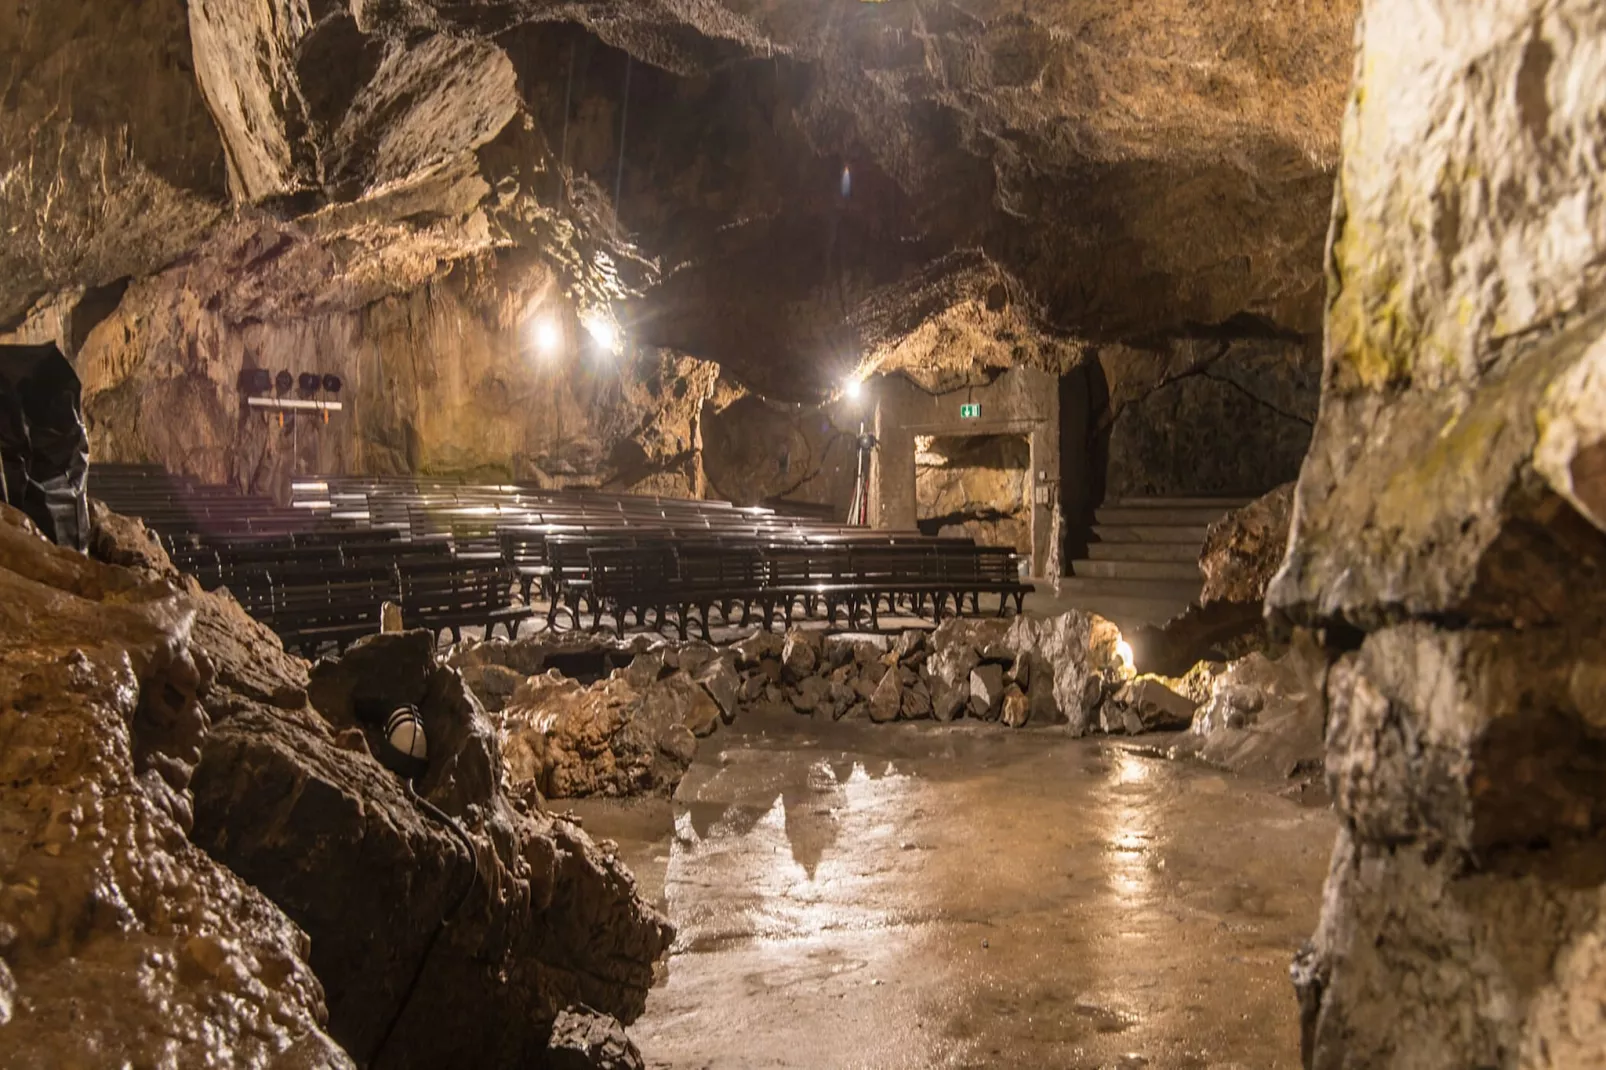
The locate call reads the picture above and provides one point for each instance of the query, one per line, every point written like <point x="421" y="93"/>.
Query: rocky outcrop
<point x="632" y="734"/>
<point x="445" y="893"/>
<point x="908" y="185"/>
<point x="117" y="934"/>
<point x="1242" y="550"/>
<point x="1447" y="552"/>
<point x="1258" y="715"/>
<point x="1207" y="415"/>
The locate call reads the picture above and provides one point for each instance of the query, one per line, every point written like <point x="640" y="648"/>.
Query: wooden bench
<point x="312" y="609"/>
<point x="451" y="595"/>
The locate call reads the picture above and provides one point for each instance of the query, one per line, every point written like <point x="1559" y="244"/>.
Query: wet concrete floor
<point x="852" y="895"/>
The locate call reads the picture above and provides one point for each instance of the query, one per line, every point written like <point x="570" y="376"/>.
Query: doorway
<point x="978" y="486"/>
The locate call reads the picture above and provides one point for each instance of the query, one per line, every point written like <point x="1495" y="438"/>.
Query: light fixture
<point x="602" y="329"/>
<point x="853" y="389"/>
<point x="1123" y="651"/>
<point x="547" y="335"/>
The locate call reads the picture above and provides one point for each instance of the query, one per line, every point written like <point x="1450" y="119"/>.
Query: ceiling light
<point x="602" y="329"/>
<point x="547" y="336"/>
<point x="853" y="389"/>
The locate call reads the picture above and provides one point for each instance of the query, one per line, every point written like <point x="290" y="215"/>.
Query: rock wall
<point x="441" y="379"/>
<point x="1201" y="416"/>
<point x="755" y="450"/>
<point x="1449" y="546"/>
<point x="976" y="487"/>
<point x="118" y="936"/>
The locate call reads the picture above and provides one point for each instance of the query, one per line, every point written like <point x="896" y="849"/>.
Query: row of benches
<point x="481" y="556"/>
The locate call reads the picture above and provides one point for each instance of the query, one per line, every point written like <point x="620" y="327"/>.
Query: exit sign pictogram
<point x="970" y="411"/>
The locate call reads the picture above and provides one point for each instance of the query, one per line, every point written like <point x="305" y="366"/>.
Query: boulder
<point x="582" y="1039"/>
<point x="1016" y="709"/>
<point x="722" y="684"/>
<point x="810" y="693"/>
<point x="911" y="646"/>
<point x="492" y="684"/>
<point x="916" y="702"/>
<point x="986" y="691"/>
<point x="123" y="939"/>
<point x="948" y="702"/>
<point x="1258" y="717"/>
<point x="609" y="739"/>
<point x="1243" y="549"/>
<point x="887" y="699"/>
<point x="800" y="654"/>
<point x="691" y="657"/>
<point x="753" y="687"/>
<point x="1076" y="651"/>
<point x="757" y="647"/>
<point x="646" y="669"/>
<point x="1159" y="707"/>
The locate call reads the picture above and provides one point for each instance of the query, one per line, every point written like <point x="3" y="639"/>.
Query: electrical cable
<point x="443" y="818"/>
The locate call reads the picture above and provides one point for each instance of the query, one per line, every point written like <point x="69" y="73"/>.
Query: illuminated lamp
<point x="547" y="336"/>
<point x="603" y="331"/>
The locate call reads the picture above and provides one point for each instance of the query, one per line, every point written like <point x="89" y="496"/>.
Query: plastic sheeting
<point x="44" y="450"/>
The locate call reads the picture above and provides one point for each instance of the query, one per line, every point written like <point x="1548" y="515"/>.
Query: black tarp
<point x="44" y="450"/>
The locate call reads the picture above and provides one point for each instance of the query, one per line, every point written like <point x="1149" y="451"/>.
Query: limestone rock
<point x="94" y="780"/>
<point x="582" y="1039"/>
<point x="910" y="646"/>
<point x="1077" y="651"/>
<point x="1259" y="716"/>
<point x="949" y="701"/>
<point x="610" y="739"/>
<point x="722" y="685"/>
<point x="916" y="702"/>
<point x="1016" y="710"/>
<point x="800" y="655"/>
<point x="986" y="691"/>
<point x="1243" y="549"/>
<point x="756" y="647"/>
<point x="887" y="699"/>
<point x="493" y="685"/>
<point x="1158" y="707"/>
<point x="810" y="693"/>
<point x="1443" y="527"/>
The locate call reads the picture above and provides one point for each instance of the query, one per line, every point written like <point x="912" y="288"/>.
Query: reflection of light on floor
<point x="801" y="867"/>
<point x="1131" y="835"/>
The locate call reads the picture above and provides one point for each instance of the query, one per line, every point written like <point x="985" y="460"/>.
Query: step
<point x="1182" y="590"/>
<point x="1191" y="516"/>
<point x="1203" y="502"/>
<point x="1149" y="533"/>
<point x="1137" y="570"/>
<point x="1144" y="551"/>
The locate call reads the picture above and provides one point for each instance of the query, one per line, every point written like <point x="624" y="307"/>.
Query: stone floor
<point x="851" y="895"/>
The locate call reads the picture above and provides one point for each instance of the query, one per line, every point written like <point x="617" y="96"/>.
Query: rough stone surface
<point x="119" y="934"/>
<point x="1016" y="709"/>
<point x="1259" y="715"/>
<point x="1444" y="536"/>
<point x="538" y="917"/>
<point x="1209" y="416"/>
<point x="886" y="701"/>
<point x="800" y="655"/>
<point x="617" y="737"/>
<point x="1243" y="549"/>
<point x="986" y="691"/>
<point x="582" y="1039"/>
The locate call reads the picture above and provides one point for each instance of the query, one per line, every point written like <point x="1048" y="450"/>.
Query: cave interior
<point x="803" y="533"/>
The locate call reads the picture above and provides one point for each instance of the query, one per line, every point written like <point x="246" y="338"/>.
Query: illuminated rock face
<point x="1446" y="561"/>
<point x="799" y="187"/>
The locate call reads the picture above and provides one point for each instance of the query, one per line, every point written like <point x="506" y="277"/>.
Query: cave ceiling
<point x="794" y="188"/>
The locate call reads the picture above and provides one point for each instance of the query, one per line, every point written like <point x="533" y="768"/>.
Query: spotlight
<point x="602" y="329"/>
<point x="853" y="389"/>
<point x="256" y="381"/>
<point x="283" y="381"/>
<point x="1123" y="651"/>
<point x="547" y="335"/>
<point x="332" y="383"/>
<point x="309" y="382"/>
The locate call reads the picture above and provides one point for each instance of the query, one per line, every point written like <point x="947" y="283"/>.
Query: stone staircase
<point x="1143" y="558"/>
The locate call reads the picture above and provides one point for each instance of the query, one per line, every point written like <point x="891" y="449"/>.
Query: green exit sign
<point x="971" y="411"/>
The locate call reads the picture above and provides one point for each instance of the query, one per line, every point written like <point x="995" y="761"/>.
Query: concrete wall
<point x="1022" y="401"/>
